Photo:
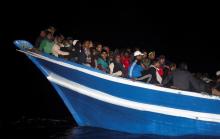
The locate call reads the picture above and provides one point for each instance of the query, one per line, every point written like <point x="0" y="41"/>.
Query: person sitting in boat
<point x="146" y="61"/>
<point x="57" y="52"/>
<point x="161" y="59"/>
<point x="182" y="79"/>
<point x="68" y="47"/>
<point x="102" y="62"/>
<point x="84" y="53"/>
<point x="136" y="68"/>
<point x="52" y="30"/>
<point x="126" y="59"/>
<point x="151" y="57"/>
<point x="116" y="67"/>
<point x="154" y="72"/>
<point x="47" y="44"/>
<point x="96" y="52"/>
<point x="164" y="68"/>
<point x="71" y="47"/>
<point x="40" y="39"/>
<point x="135" y="71"/>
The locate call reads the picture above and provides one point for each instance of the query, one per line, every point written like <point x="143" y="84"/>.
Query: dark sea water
<point x="62" y="129"/>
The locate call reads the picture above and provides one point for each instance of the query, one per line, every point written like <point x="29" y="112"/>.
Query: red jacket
<point x="160" y="71"/>
<point x="126" y="62"/>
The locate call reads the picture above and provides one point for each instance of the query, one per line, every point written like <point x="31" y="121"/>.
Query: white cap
<point x="218" y="73"/>
<point x="74" y="42"/>
<point x="136" y="53"/>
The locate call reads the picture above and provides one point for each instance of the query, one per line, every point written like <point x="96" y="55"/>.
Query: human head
<point x="51" y="29"/>
<point x="104" y="54"/>
<point x="156" y="63"/>
<point x="151" y="55"/>
<point x="162" y="59"/>
<point x="138" y="55"/>
<point x="43" y="33"/>
<point x="49" y="36"/>
<point x="77" y="44"/>
<point x="126" y="54"/>
<point x="59" y="38"/>
<point x="86" y="44"/>
<point x="106" y="48"/>
<point x="145" y="54"/>
<point x="172" y="66"/>
<point x="90" y="44"/>
<point x="117" y="58"/>
<point x="69" y="40"/>
<point x="99" y="47"/>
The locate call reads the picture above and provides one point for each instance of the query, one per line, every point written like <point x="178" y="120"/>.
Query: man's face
<point x="70" y="42"/>
<point x="86" y="44"/>
<point x="139" y="57"/>
<point x="162" y="61"/>
<point x="99" y="48"/>
<point x="152" y="56"/>
<point x="145" y="55"/>
<point x="157" y="65"/>
<point x="43" y="34"/>
<point x="49" y="36"/>
<point x="118" y="59"/>
<point x="90" y="44"/>
<point x="104" y="55"/>
<point x="126" y="54"/>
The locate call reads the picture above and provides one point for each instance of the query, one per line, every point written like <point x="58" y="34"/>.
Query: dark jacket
<point x="183" y="80"/>
<point x="81" y="56"/>
<point x="153" y="71"/>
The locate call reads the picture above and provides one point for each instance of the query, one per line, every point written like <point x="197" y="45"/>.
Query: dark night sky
<point x="181" y="33"/>
<point x="189" y="33"/>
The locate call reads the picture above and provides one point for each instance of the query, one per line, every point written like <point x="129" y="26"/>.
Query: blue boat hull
<point x="99" y="100"/>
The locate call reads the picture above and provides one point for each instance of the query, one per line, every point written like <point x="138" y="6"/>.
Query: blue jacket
<point x="135" y="70"/>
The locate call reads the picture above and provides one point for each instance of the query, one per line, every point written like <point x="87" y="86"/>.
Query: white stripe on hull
<point x="122" y="80"/>
<point x="131" y="104"/>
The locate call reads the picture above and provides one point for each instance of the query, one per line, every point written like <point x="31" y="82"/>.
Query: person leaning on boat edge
<point x="182" y="79"/>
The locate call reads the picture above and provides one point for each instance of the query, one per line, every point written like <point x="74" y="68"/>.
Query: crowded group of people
<point x="134" y="64"/>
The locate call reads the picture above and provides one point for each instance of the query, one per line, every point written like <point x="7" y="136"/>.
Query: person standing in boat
<point x="102" y="62"/>
<point x="116" y="67"/>
<point x="135" y="71"/>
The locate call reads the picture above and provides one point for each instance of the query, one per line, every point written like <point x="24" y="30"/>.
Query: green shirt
<point x="46" y="46"/>
<point x="103" y="63"/>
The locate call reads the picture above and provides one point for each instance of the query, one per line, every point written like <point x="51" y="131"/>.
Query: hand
<point x="133" y="79"/>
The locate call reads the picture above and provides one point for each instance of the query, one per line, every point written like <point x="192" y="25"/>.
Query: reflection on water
<point x="51" y="128"/>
